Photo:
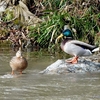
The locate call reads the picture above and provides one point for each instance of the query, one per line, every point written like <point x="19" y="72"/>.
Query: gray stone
<point x="62" y="67"/>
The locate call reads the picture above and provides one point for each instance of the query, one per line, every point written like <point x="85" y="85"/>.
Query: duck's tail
<point x="96" y="49"/>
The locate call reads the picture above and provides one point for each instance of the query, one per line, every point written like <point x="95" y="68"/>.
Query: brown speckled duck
<point x="18" y="62"/>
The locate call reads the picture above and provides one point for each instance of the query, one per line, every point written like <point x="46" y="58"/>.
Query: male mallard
<point x="18" y="62"/>
<point x="75" y="47"/>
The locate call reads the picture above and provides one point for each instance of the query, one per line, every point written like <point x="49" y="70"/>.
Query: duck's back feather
<point x="83" y="45"/>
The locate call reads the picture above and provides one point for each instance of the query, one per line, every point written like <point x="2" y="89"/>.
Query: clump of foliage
<point x="7" y="16"/>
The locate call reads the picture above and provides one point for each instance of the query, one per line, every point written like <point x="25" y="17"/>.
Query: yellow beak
<point x="60" y="36"/>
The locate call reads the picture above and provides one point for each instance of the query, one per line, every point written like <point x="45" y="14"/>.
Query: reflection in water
<point x="34" y="86"/>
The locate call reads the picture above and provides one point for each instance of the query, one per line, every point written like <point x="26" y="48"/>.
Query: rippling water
<point x="34" y="86"/>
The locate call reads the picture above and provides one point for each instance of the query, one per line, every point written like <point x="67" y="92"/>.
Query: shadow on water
<point x="34" y="86"/>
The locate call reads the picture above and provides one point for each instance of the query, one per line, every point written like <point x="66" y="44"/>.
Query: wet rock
<point x="62" y="67"/>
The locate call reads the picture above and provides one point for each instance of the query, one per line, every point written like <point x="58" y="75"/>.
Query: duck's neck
<point x="66" y="40"/>
<point x="19" y="53"/>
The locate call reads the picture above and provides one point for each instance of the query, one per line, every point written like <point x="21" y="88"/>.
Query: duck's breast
<point x="18" y="63"/>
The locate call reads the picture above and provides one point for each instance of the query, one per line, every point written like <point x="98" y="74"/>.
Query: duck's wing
<point x="83" y="44"/>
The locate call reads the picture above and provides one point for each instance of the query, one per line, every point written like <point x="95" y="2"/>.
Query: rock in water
<point x="61" y="67"/>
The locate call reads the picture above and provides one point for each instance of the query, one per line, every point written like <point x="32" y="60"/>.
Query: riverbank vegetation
<point x="38" y="22"/>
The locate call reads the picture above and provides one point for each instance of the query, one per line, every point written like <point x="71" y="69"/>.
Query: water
<point x="34" y="86"/>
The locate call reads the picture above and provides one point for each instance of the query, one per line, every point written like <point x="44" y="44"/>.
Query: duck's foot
<point x="12" y="73"/>
<point x="20" y="72"/>
<point x="73" y="61"/>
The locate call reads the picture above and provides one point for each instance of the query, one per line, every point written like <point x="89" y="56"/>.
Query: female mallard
<point x="74" y="47"/>
<point x="18" y="62"/>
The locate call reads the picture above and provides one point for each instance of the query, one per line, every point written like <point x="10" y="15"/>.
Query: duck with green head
<point x="74" y="47"/>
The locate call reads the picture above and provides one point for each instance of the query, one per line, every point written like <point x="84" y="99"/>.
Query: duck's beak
<point x="60" y="36"/>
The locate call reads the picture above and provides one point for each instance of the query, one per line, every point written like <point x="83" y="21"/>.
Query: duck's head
<point x="67" y="33"/>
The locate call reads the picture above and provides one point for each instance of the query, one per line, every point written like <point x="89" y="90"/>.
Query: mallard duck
<point x="74" y="47"/>
<point x="18" y="62"/>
